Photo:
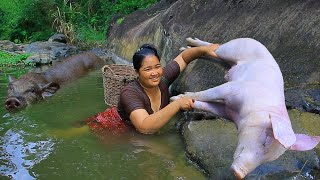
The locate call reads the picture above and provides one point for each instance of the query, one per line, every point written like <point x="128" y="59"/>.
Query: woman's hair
<point x="143" y="51"/>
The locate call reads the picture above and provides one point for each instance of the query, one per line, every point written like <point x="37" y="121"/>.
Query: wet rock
<point x="10" y="46"/>
<point x="306" y="98"/>
<point x="44" y="53"/>
<point x="58" y="38"/>
<point x="48" y="52"/>
<point x="211" y="143"/>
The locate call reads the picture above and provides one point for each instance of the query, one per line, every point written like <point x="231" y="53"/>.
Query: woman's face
<point x="150" y="72"/>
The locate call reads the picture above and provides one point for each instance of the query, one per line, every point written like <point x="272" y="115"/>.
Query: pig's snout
<point x="12" y="104"/>
<point x="239" y="172"/>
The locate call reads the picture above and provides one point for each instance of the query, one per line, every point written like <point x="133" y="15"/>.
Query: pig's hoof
<point x="182" y="49"/>
<point x="173" y="98"/>
<point x="193" y="41"/>
<point x="196" y="42"/>
<point x="239" y="172"/>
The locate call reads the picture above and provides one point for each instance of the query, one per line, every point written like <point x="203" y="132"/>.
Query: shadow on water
<point x="41" y="141"/>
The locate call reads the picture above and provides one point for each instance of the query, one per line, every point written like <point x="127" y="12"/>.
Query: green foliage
<point x="80" y="20"/>
<point x="87" y="37"/>
<point x="7" y="59"/>
<point x="126" y="7"/>
<point x="26" y="20"/>
<point x="10" y="11"/>
<point x="120" y="20"/>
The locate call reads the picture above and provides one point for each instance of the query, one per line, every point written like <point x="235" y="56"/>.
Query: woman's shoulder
<point x="132" y="87"/>
<point x="131" y="98"/>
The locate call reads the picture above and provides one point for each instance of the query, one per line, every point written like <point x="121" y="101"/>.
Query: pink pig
<point x="254" y="99"/>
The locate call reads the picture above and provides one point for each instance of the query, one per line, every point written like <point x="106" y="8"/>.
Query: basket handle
<point x="107" y="67"/>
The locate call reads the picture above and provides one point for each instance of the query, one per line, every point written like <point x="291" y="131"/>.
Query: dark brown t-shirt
<point x="133" y="96"/>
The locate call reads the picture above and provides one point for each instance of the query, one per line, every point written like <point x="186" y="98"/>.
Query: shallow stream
<point x="44" y="141"/>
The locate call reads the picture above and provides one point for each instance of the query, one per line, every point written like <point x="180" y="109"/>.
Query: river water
<point x="44" y="141"/>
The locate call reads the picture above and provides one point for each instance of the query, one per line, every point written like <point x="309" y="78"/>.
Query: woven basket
<point x="115" y="77"/>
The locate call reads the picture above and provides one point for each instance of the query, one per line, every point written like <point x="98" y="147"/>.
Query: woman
<point x="145" y="102"/>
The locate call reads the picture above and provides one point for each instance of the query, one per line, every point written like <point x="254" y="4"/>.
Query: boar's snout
<point x="13" y="104"/>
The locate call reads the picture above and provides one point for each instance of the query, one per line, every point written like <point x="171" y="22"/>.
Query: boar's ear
<point x="49" y="89"/>
<point x="282" y="130"/>
<point x="11" y="78"/>
<point x="305" y="143"/>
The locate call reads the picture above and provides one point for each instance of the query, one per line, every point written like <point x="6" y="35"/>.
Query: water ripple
<point x="18" y="155"/>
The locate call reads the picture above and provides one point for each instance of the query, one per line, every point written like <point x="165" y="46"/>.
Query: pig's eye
<point x="31" y="90"/>
<point x="10" y="87"/>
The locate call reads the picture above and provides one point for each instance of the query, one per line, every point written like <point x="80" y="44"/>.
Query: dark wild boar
<point x="32" y="87"/>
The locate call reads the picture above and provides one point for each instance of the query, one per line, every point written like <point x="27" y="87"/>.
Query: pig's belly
<point x="254" y="97"/>
<point x="255" y="71"/>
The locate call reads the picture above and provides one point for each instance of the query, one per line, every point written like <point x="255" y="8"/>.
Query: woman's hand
<point x="149" y="124"/>
<point x="185" y="103"/>
<point x="196" y="49"/>
<point x="210" y="50"/>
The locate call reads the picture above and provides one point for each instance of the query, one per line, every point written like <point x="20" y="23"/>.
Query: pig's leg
<point x="216" y="108"/>
<point x="197" y="42"/>
<point x="213" y="99"/>
<point x="217" y="93"/>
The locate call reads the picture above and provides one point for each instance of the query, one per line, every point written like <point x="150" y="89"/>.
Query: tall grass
<point x="62" y="25"/>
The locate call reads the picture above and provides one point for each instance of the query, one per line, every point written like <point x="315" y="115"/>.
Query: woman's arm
<point x="149" y="124"/>
<point x="190" y="54"/>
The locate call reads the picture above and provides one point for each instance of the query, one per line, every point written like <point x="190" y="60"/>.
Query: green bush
<point x="80" y="20"/>
<point x="7" y="59"/>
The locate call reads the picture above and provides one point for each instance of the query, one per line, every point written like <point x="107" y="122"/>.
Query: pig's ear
<point x="282" y="130"/>
<point x="11" y="78"/>
<point x="305" y="143"/>
<point x="49" y="89"/>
